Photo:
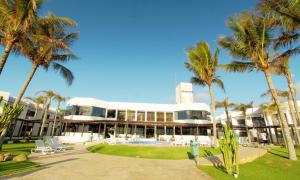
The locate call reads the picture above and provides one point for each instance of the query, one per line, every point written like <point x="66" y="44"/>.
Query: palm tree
<point x="59" y="99"/>
<point x="251" y="43"/>
<point x="49" y="46"/>
<point x="204" y="65"/>
<point x="37" y="102"/>
<point x="287" y="95"/>
<point x="243" y="108"/>
<point x="225" y="104"/>
<point x="49" y="96"/>
<point x="17" y="18"/>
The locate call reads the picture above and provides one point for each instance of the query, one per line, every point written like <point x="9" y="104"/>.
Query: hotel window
<point x="130" y="115"/>
<point x="140" y="116"/>
<point x="111" y="113"/>
<point x="121" y="115"/>
<point x="83" y="110"/>
<point x="150" y="116"/>
<point x="258" y="121"/>
<point x="98" y="112"/>
<point x="160" y="131"/>
<point x="69" y="110"/>
<point x="182" y="115"/>
<point x="241" y="122"/>
<point x="160" y="116"/>
<point x="30" y="113"/>
<point x="169" y="116"/>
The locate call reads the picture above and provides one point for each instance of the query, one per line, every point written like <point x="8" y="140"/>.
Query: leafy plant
<point x="229" y="147"/>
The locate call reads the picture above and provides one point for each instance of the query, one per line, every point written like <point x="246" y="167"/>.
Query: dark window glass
<point x="30" y="113"/>
<point x="258" y="121"/>
<point x="169" y="116"/>
<point x="140" y="116"/>
<point x="182" y="115"/>
<point x="69" y="110"/>
<point x="241" y="122"/>
<point x="121" y="115"/>
<point x="130" y="115"/>
<point x="111" y="113"/>
<point x="150" y="116"/>
<point x="160" y="116"/>
<point x="160" y="131"/>
<point x="97" y="111"/>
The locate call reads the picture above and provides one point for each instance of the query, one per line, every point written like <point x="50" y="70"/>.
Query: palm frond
<point x="64" y="72"/>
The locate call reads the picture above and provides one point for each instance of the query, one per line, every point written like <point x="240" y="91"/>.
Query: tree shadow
<point x="280" y="153"/>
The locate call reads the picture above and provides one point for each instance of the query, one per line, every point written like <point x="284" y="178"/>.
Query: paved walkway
<point x="81" y="164"/>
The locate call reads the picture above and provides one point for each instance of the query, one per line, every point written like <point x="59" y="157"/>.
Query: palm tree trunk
<point x="53" y="126"/>
<point x="293" y="94"/>
<point x="36" y="110"/>
<point x="44" y="120"/>
<point x="30" y="76"/>
<point x="227" y="117"/>
<point x="289" y="142"/>
<point x="17" y="101"/>
<point x="5" y="54"/>
<point x="294" y="119"/>
<point x="212" y="99"/>
<point x="247" y="130"/>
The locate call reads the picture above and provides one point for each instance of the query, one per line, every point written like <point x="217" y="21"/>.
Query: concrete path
<point x="81" y="164"/>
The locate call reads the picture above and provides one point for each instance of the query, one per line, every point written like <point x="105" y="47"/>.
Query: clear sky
<point x="134" y="50"/>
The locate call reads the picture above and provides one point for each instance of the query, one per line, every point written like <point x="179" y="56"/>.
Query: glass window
<point x="258" y="121"/>
<point x="130" y="115"/>
<point x="84" y="111"/>
<point x="30" y="113"/>
<point x="69" y="110"/>
<point x="121" y="115"/>
<point x="160" y="116"/>
<point x="150" y="116"/>
<point x="182" y="115"/>
<point x="241" y="122"/>
<point x="140" y="116"/>
<point x="169" y="130"/>
<point x="111" y="113"/>
<point x="169" y="116"/>
<point x="98" y="112"/>
<point x="160" y="131"/>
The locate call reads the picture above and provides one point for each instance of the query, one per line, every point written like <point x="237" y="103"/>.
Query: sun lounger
<point x="40" y="147"/>
<point x="54" y="145"/>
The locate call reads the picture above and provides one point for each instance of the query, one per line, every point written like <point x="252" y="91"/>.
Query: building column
<point x="99" y="130"/>
<point x="126" y="130"/>
<point x="82" y="130"/>
<point x="181" y="130"/>
<point x="104" y="131"/>
<point x="276" y="134"/>
<point x="134" y="130"/>
<point x="165" y="130"/>
<point x="145" y="131"/>
<point x="115" y="131"/>
<point x="197" y="130"/>
<point x="174" y="133"/>
<point x="155" y="131"/>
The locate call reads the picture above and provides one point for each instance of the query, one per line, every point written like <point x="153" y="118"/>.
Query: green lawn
<point x="10" y="167"/>
<point x="273" y="165"/>
<point x="150" y="152"/>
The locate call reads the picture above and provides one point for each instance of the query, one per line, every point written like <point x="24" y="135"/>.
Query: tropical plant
<point x="8" y="112"/>
<point x="251" y="43"/>
<point x="243" y="108"/>
<point x="17" y="17"/>
<point x="37" y="102"/>
<point x="229" y="148"/>
<point x="204" y="65"/>
<point x="287" y="95"/>
<point x="49" y="96"/>
<point x="59" y="99"/>
<point x="225" y="104"/>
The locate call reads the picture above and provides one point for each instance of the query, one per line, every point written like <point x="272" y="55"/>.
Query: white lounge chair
<point x="54" y="145"/>
<point x="40" y="147"/>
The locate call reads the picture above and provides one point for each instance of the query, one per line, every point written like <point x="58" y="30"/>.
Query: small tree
<point x="229" y="147"/>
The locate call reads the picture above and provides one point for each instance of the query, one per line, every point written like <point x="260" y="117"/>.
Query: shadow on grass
<point x="95" y="149"/>
<point x="280" y="153"/>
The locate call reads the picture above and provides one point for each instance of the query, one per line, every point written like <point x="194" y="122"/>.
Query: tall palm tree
<point x="49" y="46"/>
<point x="49" y="96"/>
<point x="243" y="108"/>
<point x="59" y="99"/>
<point x="287" y="95"/>
<point x="37" y="102"/>
<point x="204" y="65"/>
<point x="17" y="18"/>
<point x="251" y="43"/>
<point x="225" y="104"/>
<point x="283" y="69"/>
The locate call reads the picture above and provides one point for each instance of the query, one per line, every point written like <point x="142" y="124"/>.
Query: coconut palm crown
<point x="251" y="44"/>
<point x="204" y="65"/>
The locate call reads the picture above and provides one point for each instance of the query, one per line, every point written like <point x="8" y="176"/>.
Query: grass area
<point x="10" y="167"/>
<point x="273" y="165"/>
<point x="150" y="152"/>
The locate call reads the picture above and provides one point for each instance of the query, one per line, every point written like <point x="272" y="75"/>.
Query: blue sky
<point x="134" y="50"/>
